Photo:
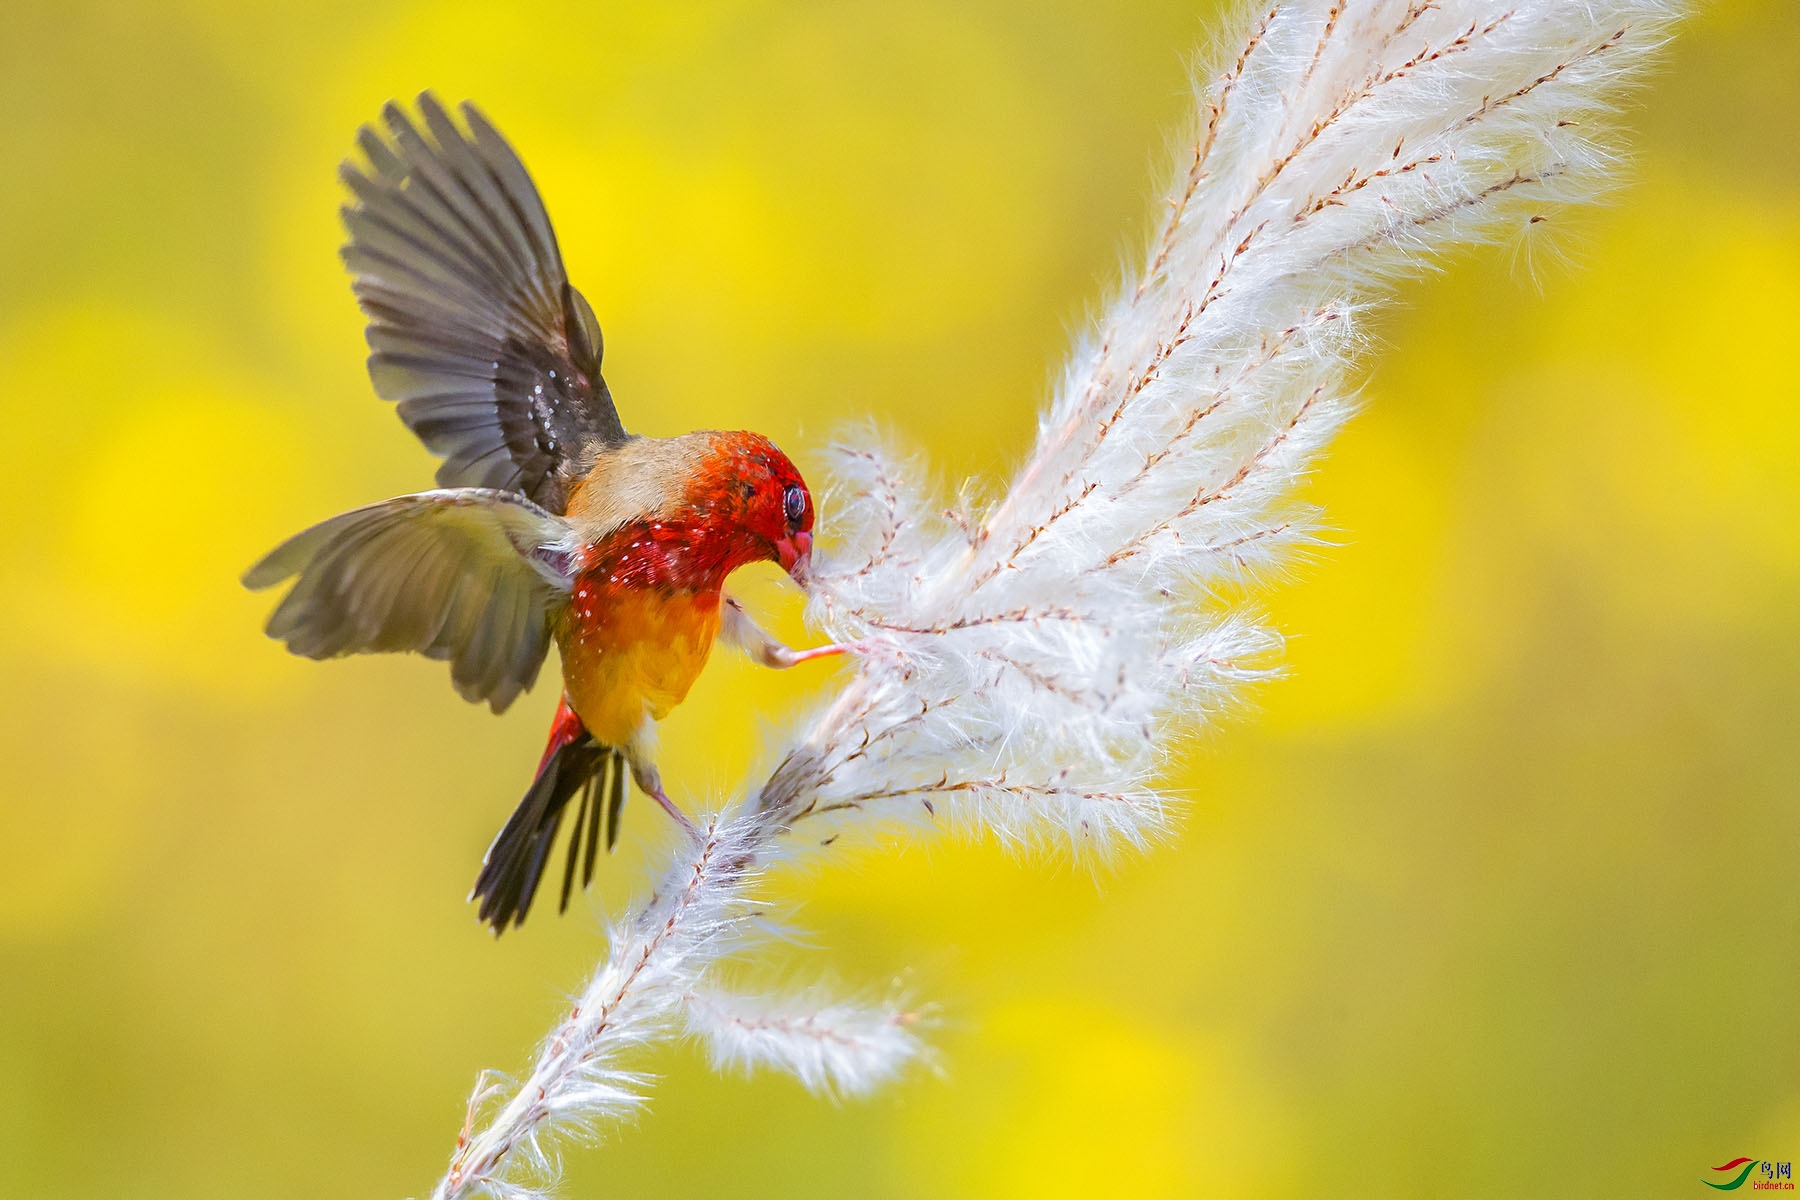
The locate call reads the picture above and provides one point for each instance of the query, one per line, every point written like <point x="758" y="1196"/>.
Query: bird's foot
<point x="739" y="630"/>
<point x="649" y="781"/>
<point x="784" y="656"/>
<point x="682" y="819"/>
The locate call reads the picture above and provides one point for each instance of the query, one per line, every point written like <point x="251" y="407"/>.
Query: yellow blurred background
<point x="1493" y="896"/>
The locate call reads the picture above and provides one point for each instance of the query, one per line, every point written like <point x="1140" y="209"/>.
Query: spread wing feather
<point x="468" y="575"/>
<point x="474" y="330"/>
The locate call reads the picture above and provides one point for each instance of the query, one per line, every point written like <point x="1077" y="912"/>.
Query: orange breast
<point x="630" y="654"/>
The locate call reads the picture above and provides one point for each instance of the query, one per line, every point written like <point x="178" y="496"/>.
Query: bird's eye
<point x="794" y="504"/>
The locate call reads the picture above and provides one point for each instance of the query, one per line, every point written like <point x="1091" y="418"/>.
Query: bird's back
<point x="641" y="478"/>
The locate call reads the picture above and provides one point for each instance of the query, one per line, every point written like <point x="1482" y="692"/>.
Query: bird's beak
<point x="795" y="556"/>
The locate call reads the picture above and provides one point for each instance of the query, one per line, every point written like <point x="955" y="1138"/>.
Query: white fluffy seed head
<point x="834" y="1046"/>
<point x="1025" y="670"/>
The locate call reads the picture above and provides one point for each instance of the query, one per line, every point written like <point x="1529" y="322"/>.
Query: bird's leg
<point x="649" y="781"/>
<point x="741" y="631"/>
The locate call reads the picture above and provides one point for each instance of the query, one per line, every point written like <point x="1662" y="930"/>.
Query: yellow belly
<point x="631" y="656"/>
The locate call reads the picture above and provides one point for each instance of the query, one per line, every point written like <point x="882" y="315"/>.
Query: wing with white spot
<point x="474" y="329"/>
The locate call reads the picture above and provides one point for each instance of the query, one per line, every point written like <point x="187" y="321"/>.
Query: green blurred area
<point x="1492" y="897"/>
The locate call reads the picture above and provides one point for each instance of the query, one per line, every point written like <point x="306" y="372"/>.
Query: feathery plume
<point x="1024" y="671"/>
<point x="656" y="954"/>
<point x="834" y="1047"/>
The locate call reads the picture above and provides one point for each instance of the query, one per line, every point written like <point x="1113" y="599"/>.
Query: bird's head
<point x="751" y="484"/>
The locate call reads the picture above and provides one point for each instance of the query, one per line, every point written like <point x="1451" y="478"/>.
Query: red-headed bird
<point x="550" y="522"/>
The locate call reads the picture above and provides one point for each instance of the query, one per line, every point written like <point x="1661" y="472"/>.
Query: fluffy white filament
<point x="657" y="953"/>
<point x="1024" y="669"/>
<point x="834" y="1047"/>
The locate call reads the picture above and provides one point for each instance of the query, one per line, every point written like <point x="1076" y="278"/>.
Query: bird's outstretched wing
<point x="474" y="330"/>
<point x="465" y="574"/>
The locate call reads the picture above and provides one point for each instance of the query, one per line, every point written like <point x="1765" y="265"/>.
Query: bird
<point x="550" y="522"/>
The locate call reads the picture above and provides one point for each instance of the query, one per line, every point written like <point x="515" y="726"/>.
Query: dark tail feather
<point x="586" y="816"/>
<point x="597" y="793"/>
<point x="613" y="806"/>
<point x="515" y="862"/>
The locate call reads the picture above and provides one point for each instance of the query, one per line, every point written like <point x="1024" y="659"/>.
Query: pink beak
<point x="795" y="556"/>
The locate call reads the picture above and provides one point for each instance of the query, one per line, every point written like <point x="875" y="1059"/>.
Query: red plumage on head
<point x="743" y="501"/>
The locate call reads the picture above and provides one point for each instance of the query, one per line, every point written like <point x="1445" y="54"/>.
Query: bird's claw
<point x="682" y="819"/>
<point x="783" y="656"/>
<point x="649" y="781"/>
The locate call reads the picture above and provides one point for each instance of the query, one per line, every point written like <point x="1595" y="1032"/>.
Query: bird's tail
<point x="573" y="764"/>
